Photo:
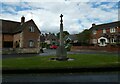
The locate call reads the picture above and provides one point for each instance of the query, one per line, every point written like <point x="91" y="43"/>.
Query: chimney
<point x="93" y="25"/>
<point x="22" y="19"/>
<point x="46" y="34"/>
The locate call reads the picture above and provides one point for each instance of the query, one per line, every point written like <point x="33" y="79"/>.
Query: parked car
<point x="53" y="47"/>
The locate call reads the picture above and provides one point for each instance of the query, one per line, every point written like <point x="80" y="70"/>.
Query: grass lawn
<point x="43" y="62"/>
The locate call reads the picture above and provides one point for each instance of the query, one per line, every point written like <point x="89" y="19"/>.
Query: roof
<point x="51" y="36"/>
<point x="12" y="27"/>
<point x="106" y="25"/>
<point x="72" y="37"/>
<point x="8" y="26"/>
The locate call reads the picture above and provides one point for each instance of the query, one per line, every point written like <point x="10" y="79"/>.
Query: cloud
<point x="77" y="15"/>
<point x="60" y="1"/>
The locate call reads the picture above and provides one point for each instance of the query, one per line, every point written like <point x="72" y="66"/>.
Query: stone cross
<point x="61" y="31"/>
<point x="61" y="18"/>
<point x="61" y="51"/>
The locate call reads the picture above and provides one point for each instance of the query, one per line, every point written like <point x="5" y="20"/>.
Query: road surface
<point x="48" y="52"/>
<point x="69" y="77"/>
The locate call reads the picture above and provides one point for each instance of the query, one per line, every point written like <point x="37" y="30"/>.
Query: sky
<point x="77" y="14"/>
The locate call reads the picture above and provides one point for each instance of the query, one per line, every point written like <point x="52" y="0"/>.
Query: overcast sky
<point x="77" y="14"/>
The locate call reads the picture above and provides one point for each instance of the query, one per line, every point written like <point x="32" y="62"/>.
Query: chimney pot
<point x="22" y="19"/>
<point x="93" y="25"/>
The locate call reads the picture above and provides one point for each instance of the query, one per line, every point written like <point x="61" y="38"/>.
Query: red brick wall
<point x="108" y="30"/>
<point x="100" y="32"/>
<point x="0" y="40"/>
<point x="27" y="35"/>
<point x="108" y="48"/>
<point x="7" y="37"/>
<point x="118" y="29"/>
<point x="16" y="38"/>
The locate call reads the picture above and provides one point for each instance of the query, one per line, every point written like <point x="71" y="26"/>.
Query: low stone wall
<point x="107" y="48"/>
<point x="27" y="50"/>
<point x="19" y="50"/>
<point x="7" y="51"/>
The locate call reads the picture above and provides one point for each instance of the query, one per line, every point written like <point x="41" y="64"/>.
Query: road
<point x="53" y="53"/>
<point x="48" y="52"/>
<point x="96" y="77"/>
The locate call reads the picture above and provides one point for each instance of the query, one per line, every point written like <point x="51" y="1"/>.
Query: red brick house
<point x="51" y="39"/>
<point x="105" y="34"/>
<point x="22" y="37"/>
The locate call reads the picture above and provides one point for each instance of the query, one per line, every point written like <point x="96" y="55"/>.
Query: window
<point x="94" y="41"/>
<point x="31" y="43"/>
<point x="31" y="29"/>
<point x="94" y="31"/>
<point x="112" y="30"/>
<point x="104" y="31"/>
<point x="113" y="40"/>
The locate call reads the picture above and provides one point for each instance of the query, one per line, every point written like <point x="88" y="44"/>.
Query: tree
<point x="84" y="37"/>
<point x="64" y="34"/>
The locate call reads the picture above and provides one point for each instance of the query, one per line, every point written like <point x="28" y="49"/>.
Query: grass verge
<point x="43" y="62"/>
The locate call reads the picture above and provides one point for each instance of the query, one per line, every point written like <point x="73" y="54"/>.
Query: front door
<point x="102" y="42"/>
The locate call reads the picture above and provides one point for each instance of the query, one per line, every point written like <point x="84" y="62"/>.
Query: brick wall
<point x="107" y="48"/>
<point x="7" y="37"/>
<point x="0" y="40"/>
<point x="118" y="29"/>
<point x="16" y="39"/>
<point x="99" y="33"/>
<point x="27" y="36"/>
<point x="27" y="50"/>
<point x="19" y="50"/>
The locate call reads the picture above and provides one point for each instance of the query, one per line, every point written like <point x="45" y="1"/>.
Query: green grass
<point x="42" y="62"/>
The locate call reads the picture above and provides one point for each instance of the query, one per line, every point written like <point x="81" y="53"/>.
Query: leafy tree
<point x="84" y="37"/>
<point x="64" y="34"/>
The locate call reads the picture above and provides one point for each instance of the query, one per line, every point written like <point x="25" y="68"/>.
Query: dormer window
<point x="31" y="28"/>
<point x="112" y="30"/>
<point x="94" y="31"/>
<point x="104" y="31"/>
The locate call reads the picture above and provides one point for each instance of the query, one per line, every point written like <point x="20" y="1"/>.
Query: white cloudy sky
<point x="77" y="14"/>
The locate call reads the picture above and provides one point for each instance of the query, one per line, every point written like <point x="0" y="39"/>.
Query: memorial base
<point x="61" y="53"/>
<point x="59" y="59"/>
